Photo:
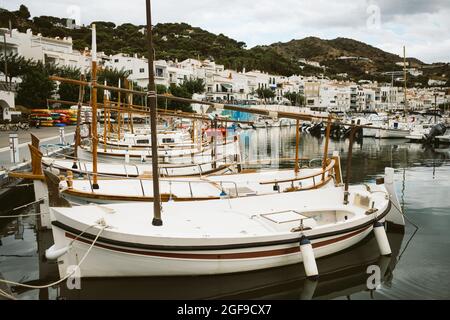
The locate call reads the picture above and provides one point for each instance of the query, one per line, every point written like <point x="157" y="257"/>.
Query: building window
<point x="160" y="72"/>
<point x="141" y="70"/>
<point x="116" y="60"/>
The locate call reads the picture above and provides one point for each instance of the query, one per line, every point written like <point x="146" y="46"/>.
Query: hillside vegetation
<point x="181" y="41"/>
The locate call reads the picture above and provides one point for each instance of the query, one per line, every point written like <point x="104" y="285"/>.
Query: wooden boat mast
<point x="118" y="112"/>
<point x="78" y="130"/>
<point x="152" y="104"/>
<point x="105" y="118"/>
<point x="297" y="145"/>
<point x="327" y="141"/>
<point x="94" y="108"/>
<point x="404" y="78"/>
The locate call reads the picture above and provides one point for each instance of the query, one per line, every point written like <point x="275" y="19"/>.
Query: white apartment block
<point x="389" y="96"/>
<point x="334" y="96"/>
<point x="46" y="50"/>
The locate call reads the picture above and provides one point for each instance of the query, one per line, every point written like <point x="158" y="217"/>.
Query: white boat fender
<point x="309" y="260"/>
<point x="53" y="254"/>
<point x="382" y="239"/>
<point x="127" y="157"/>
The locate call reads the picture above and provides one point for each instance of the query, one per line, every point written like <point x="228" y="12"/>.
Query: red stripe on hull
<point x="224" y="256"/>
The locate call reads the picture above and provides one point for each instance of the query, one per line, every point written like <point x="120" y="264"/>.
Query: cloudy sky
<point x="422" y="25"/>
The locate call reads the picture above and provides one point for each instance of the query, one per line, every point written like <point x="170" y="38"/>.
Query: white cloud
<point x="423" y="26"/>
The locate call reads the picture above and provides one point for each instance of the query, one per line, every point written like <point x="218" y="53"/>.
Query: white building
<point x="388" y="97"/>
<point x="7" y="104"/>
<point x="335" y="96"/>
<point x="46" y="50"/>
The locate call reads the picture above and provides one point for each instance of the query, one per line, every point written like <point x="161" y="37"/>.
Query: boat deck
<point x="247" y="184"/>
<point x="215" y="220"/>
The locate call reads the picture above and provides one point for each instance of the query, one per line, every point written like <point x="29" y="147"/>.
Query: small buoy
<point x="309" y="261"/>
<point x="382" y="239"/>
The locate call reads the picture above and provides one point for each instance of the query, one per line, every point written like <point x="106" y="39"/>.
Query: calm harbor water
<point x="418" y="268"/>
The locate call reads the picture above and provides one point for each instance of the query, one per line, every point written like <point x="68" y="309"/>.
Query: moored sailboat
<point x="218" y="236"/>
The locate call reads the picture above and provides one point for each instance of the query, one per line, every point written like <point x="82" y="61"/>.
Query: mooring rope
<point x="7" y="295"/>
<point x="102" y="228"/>
<point x="22" y="207"/>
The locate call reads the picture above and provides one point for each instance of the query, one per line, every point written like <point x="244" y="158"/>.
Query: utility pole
<point x="152" y="103"/>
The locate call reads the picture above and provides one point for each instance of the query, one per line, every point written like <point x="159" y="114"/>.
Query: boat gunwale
<point x="367" y="224"/>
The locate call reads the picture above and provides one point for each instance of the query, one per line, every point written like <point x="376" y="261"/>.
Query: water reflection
<point x="341" y="275"/>
<point x="422" y="181"/>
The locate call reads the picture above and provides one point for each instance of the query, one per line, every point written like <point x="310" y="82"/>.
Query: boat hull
<point x="109" y="260"/>
<point x="218" y="236"/>
<point x="392" y="134"/>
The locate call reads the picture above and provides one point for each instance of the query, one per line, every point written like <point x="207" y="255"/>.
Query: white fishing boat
<point x="260" y="124"/>
<point x="219" y="236"/>
<point x="80" y="191"/>
<point x="444" y="139"/>
<point x="179" y="156"/>
<point x="244" y="126"/>
<point x="419" y="132"/>
<point x="374" y="120"/>
<point x="166" y="140"/>
<point x="85" y="167"/>
<point x="393" y="130"/>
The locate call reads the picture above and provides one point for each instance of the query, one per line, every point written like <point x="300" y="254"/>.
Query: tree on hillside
<point x="23" y="12"/>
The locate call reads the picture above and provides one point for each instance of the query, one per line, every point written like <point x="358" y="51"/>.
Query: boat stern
<point x="395" y="216"/>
